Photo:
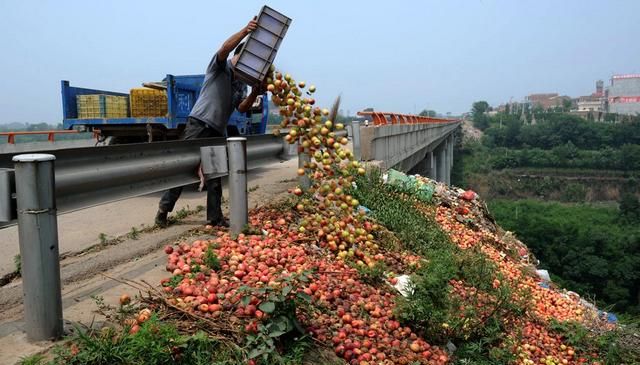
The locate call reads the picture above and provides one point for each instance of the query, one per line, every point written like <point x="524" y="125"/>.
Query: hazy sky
<point x="400" y="56"/>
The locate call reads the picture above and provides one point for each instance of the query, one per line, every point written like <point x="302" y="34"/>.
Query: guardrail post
<point x="38" y="236"/>
<point x="355" y="139"/>
<point x="7" y="186"/>
<point x="238" y="203"/>
<point x="303" y="181"/>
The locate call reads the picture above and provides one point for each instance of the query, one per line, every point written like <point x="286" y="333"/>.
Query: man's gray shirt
<point x="219" y="96"/>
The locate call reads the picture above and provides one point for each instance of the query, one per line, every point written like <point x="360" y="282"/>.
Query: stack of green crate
<point x="102" y="106"/>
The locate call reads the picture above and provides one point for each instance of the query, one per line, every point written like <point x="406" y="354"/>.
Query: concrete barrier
<point x="403" y="146"/>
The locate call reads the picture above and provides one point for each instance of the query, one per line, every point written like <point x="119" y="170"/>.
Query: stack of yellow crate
<point x="102" y="106"/>
<point x="146" y="102"/>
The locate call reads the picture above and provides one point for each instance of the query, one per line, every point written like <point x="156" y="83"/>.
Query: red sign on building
<point x="624" y="99"/>
<point x="627" y="76"/>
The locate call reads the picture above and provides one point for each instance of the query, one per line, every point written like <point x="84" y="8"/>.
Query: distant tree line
<point x="626" y="158"/>
<point x="557" y="140"/>
<point x="15" y="127"/>
<point x="29" y="127"/>
<point x="558" y="129"/>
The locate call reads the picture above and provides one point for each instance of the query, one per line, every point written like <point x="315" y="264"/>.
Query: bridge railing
<point x="386" y="118"/>
<point x="11" y="136"/>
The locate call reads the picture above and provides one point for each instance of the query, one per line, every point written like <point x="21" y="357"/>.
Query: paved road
<point x="79" y="230"/>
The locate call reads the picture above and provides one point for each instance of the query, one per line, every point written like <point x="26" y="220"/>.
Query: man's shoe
<point x="220" y="223"/>
<point x="161" y="219"/>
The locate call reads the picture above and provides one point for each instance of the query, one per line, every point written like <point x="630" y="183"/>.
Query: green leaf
<point x="267" y="307"/>
<point x="286" y="290"/>
<point x="277" y="333"/>
<point x="274" y="297"/>
<point x="283" y="323"/>
<point x="304" y="296"/>
<point x="245" y="300"/>
<point x="255" y="353"/>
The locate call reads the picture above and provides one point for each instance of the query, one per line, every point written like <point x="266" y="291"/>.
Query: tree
<point x="629" y="208"/>
<point x="481" y="121"/>
<point x="427" y="113"/>
<point x="479" y="107"/>
<point x="566" y="105"/>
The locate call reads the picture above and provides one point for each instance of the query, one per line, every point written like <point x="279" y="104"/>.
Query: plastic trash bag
<point x="544" y="275"/>
<point x="423" y="191"/>
<point x="404" y="286"/>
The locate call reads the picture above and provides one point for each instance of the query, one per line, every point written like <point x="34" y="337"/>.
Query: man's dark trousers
<point x="197" y="129"/>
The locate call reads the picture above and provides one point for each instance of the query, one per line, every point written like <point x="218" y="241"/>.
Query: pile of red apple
<point x="535" y="343"/>
<point x="354" y="317"/>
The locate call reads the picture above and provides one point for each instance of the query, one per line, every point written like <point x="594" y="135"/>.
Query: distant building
<point x="590" y="104"/>
<point x="595" y="102"/>
<point x="623" y="96"/>
<point x="592" y="107"/>
<point x="599" y="88"/>
<point x="546" y="100"/>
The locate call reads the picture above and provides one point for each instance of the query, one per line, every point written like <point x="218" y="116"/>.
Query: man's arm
<point x="230" y="44"/>
<point x="256" y="90"/>
<point x="245" y="105"/>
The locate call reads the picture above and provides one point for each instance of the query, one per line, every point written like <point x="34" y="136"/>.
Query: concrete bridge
<point x="422" y="145"/>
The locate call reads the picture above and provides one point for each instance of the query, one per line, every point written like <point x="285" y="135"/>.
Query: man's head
<point x="236" y="54"/>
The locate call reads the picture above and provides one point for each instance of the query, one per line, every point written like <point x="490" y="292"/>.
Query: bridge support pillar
<point x="441" y="162"/>
<point x="449" y="158"/>
<point x="445" y="152"/>
<point x="431" y="165"/>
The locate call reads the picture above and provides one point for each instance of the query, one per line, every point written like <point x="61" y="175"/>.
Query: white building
<point x="590" y="104"/>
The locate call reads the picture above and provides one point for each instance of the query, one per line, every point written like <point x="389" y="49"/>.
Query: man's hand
<point x="230" y="44"/>
<point x="260" y="88"/>
<point x="253" y="24"/>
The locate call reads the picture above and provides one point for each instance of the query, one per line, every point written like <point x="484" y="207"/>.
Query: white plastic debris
<point x="385" y="178"/>
<point x="404" y="285"/>
<point x="588" y="304"/>
<point x="544" y="275"/>
<point x="451" y="347"/>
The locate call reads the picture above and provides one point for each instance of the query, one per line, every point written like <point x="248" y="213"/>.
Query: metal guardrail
<point x="91" y="176"/>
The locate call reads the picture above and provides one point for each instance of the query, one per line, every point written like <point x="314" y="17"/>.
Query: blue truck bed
<point x="182" y="93"/>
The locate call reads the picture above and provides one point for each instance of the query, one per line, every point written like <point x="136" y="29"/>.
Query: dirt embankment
<point x="469" y="131"/>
